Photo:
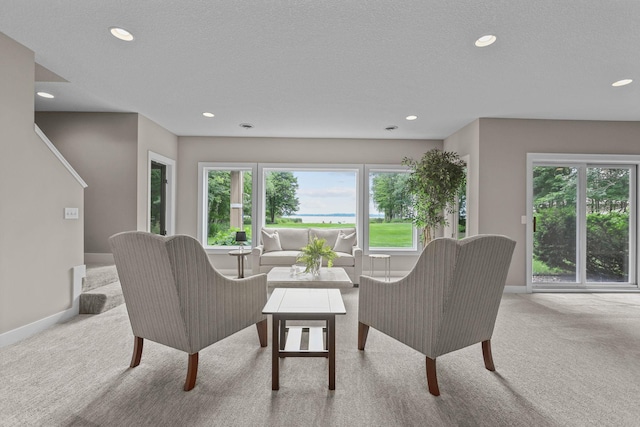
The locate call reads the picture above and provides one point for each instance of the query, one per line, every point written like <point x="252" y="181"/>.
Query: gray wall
<point x="38" y="247"/>
<point x="503" y="148"/>
<point x="102" y="147"/>
<point x="466" y="142"/>
<point x="192" y="150"/>
<point x="151" y="137"/>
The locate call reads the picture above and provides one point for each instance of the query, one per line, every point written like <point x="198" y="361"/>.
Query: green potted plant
<point x="434" y="183"/>
<point x="311" y="255"/>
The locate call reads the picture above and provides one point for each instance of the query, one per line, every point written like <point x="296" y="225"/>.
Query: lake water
<point x="326" y="219"/>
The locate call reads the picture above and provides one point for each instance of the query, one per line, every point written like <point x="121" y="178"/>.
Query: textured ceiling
<point x="334" y="68"/>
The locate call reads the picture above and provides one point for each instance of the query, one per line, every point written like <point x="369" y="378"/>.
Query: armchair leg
<point x="486" y="353"/>
<point x="192" y="372"/>
<point x="137" y="351"/>
<point x="432" y="378"/>
<point x="262" y="332"/>
<point x="363" y="331"/>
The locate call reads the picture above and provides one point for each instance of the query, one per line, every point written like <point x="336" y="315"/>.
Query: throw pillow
<point x="271" y="242"/>
<point x="345" y="243"/>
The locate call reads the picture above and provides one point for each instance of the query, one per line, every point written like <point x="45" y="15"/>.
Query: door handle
<point x="534" y="224"/>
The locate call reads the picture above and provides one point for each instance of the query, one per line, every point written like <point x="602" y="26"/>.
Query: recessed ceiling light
<point x="390" y="128"/>
<point x="487" y="40"/>
<point x="411" y="117"/>
<point x="622" y="82"/>
<point x="121" y="34"/>
<point x="246" y="125"/>
<point x="207" y="114"/>
<point x="45" y="95"/>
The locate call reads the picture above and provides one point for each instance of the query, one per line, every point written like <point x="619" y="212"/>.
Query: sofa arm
<point x="357" y="266"/>
<point x="256" y="253"/>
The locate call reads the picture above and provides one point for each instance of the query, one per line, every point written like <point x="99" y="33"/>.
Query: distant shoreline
<point x="334" y="215"/>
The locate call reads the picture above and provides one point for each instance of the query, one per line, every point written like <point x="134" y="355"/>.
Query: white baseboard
<point x="515" y="290"/>
<point x="98" y="258"/>
<point x="23" y="332"/>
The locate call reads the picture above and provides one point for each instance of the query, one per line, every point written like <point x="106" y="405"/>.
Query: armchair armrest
<point x="402" y="309"/>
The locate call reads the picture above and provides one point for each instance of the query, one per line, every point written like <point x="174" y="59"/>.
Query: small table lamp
<point x="241" y="237"/>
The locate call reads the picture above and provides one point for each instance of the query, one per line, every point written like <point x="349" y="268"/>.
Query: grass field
<point x="390" y="235"/>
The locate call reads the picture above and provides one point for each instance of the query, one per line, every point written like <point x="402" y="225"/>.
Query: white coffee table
<point x="303" y="304"/>
<point x="328" y="278"/>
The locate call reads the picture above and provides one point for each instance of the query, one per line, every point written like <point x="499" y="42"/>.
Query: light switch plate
<point x="71" y="213"/>
<point x="523" y="219"/>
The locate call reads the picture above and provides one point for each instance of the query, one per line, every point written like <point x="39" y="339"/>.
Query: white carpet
<point x="561" y="360"/>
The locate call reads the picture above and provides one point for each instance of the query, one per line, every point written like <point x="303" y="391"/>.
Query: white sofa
<point x="291" y="240"/>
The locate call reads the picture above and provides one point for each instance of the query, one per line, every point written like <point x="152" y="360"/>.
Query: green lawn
<point x="390" y="235"/>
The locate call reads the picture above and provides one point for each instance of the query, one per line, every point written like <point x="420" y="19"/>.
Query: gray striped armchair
<point x="447" y="302"/>
<point x="175" y="297"/>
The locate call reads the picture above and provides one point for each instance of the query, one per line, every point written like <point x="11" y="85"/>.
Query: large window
<point x="247" y="197"/>
<point x="310" y="197"/>
<point x="388" y="215"/>
<point x="227" y="203"/>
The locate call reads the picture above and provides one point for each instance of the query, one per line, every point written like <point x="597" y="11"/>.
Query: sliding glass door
<point x="583" y="225"/>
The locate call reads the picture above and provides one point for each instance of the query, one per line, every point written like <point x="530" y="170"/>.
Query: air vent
<point x="246" y="125"/>
<point x="390" y="128"/>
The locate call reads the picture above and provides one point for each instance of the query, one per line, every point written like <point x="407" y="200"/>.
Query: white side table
<point x="387" y="264"/>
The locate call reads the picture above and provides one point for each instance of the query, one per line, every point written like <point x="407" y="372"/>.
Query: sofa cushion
<point x="344" y="242"/>
<point x="280" y="258"/>
<point x="331" y="234"/>
<point x="293" y="239"/>
<point x="271" y="241"/>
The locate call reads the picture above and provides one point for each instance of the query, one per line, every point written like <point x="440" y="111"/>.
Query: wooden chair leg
<point x="137" y="351"/>
<point x="192" y="372"/>
<point x="363" y="331"/>
<point x="262" y="332"/>
<point x="432" y="377"/>
<point x="486" y="353"/>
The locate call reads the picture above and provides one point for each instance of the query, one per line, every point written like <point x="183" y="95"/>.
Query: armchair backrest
<point x="149" y="288"/>
<point x="174" y="295"/>
<point x="472" y="295"/>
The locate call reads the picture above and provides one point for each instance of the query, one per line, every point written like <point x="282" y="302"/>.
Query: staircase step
<point x="101" y="299"/>
<point x="99" y="275"/>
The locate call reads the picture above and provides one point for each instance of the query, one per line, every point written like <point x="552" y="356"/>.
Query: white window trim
<point x="258" y="185"/>
<point x="578" y="160"/>
<point x="417" y="246"/>
<point x="170" y="208"/>
<point x="203" y="185"/>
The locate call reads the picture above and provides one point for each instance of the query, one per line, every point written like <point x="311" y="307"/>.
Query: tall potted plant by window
<point x="434" y="183"/>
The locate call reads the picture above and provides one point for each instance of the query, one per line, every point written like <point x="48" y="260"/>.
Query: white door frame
<point x="577" y="160"/>
<point x="170" y="206"/>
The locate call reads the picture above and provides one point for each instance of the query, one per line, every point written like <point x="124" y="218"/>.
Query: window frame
<point x="313" y="167"/>
<point x="384" y="168"/>
<point x="203" y="190"/>
<point x="258" y="214"/>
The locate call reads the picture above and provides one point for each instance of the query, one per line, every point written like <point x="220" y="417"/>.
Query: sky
<point x="326" y="192"/>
